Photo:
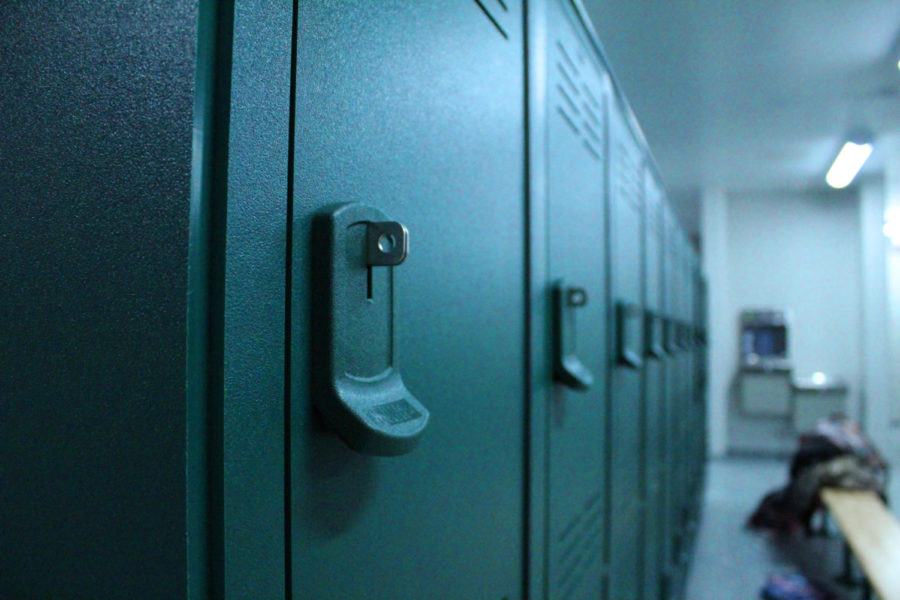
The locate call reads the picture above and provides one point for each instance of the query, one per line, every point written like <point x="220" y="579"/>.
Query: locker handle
<point x="653" y="324"/>
<point x="669" y="336"/>
<point x="690" y="340"/>
<point x="567" y="367"/>
<point x="628" y="323"/>
<point x="357" y="386"/>
<point x="702" y="339"/>
<point x="682" y="337"/>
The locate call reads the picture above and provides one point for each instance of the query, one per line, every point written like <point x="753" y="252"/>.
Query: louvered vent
<point x="654" y="214"/>
<point x="579" y="99"/>
<point x="581" y="548"/>
<point x="497" y="12"/>
<point x="627" y="172"/>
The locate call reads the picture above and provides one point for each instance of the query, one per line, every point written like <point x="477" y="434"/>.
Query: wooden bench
<point x="872" y="532"/>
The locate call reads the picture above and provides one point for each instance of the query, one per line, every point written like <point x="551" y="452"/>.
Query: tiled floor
<point x="731" y="562"/>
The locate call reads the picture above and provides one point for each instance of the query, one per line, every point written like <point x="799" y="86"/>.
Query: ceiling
<point x="753" y="95"/>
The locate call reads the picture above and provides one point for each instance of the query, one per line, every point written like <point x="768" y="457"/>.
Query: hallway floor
<point x="731" y="562"/>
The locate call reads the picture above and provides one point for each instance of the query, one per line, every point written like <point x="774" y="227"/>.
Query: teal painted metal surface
<point x="671" y="417"/>
<point x="654" y="432"/>
<point x="94" y="216"/>
<point x="417" y="112"/>
<point x="204" y="295"/>
<point x="254" y="436"/>
<point x="677" y="390"/>
<point x="625" y="396"/>
<point x="577" y="94"/>
<point x="539" y="350"/>
<point x="533" y="478"/>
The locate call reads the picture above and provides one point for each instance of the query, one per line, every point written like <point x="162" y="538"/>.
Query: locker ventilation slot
<point x="627" y="174"/>
<point x="655" y="214"/>
<point x="578" y="574"/>
<point x="654" y="211"/>
<point x="496" y="11"/>
<point x="578" y="104"/>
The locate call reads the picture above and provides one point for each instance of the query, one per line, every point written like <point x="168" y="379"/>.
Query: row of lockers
<point x="346" y="300"/>
<point x="613" y="427"/>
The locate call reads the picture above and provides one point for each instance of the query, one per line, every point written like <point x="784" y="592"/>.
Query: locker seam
<point x="216" y="182"/>
<point x="205" y="325"/>
<point x="530" y="397"/>
<point x="288" y="295"/>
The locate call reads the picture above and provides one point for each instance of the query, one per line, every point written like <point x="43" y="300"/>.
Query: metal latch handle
<point x="567" y="367"/>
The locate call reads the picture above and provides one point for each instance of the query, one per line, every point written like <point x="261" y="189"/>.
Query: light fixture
<point x="847" y="164"/>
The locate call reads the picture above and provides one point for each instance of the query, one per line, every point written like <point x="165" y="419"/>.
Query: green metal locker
<point x="690" y="405"/>
<point x="688" y="345"/>
<point x="626" y="359"/>
<point x="577" y="96"/>
<point x="415" y="114"/>
<point x="681" y="406"/>
<point x="679" y="403"/>
<point x="673" y="451"/>
<point x="702" y="366"/>
<point x="254" y="295"/>
<point x="654" y="392"/>
<point x="337" y="300"/>
<point x="698" y="380"/>
<point x="94" y="225"/>
<point x="143" y="228"/>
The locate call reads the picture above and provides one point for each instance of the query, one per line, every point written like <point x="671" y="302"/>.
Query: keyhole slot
<point x="387" y="243"/>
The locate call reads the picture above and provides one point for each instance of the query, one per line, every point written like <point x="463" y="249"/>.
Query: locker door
<point x="690" y="406"/>
<point x="654" y="423"/>
<point x="414" y="110"/>
<point x="672" y="416"/>
<point x="253" y="334"/>
<point x="98" y="110"/>
<point x="576" y="96"/>
<point x="685" y="370"/>
<point x="626" y="360"/>
<point x="696" y="432"/>
<point x="702" y="374"/>
<point x="680" y="454"/>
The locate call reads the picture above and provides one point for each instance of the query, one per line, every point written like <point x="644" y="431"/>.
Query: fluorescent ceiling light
<point x="847" y="164"/>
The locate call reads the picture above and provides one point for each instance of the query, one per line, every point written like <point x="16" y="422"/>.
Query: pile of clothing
<point x="795" y="586"/>
<point x="836" y="454"/>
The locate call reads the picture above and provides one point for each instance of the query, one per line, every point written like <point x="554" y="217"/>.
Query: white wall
<point x="877" y="392"/>
<point x="890" y="147"/>
<point x="789" y="250"/>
